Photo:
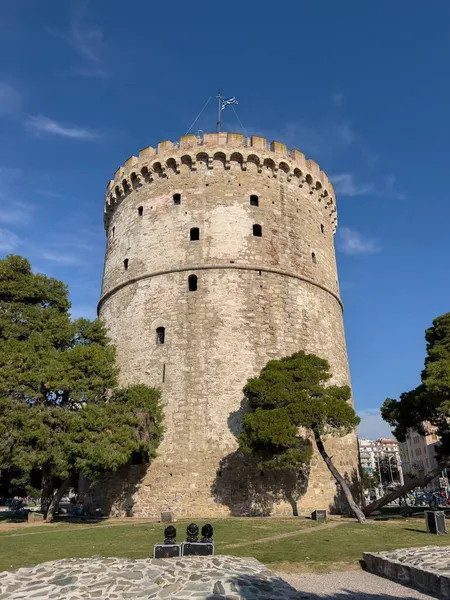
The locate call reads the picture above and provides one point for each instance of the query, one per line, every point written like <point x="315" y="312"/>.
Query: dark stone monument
<point x="319" y="515"/>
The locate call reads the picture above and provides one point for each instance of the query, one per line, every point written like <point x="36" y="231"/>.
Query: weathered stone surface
<point x="257" y="298"/>
<point x="426" y="568"/>
<point x="114" y="579"/>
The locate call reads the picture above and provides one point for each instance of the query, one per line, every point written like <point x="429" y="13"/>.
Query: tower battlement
<point x="224" y="151"/>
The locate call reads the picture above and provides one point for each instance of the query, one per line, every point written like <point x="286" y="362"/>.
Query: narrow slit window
<point x="113" y="231"/>
<point x="192" y="283"/>
<point x="160" y="335"/>
<point x="194" y="234"/>
<point x="254" y="200"/>
<point x="164" y="373"/>
<point x="177" y="198"/>
<point x="125" y="264"/>
<point x="314" y="259"/>
<point x="257" y="230"/>
<point x="322" y="228"/>
<point x="140" y="211"/>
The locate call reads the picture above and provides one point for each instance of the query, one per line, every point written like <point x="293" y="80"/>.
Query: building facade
<point x="220" y="256"/>
<point x="419" y="454"/>
<point x="373" y="452"/>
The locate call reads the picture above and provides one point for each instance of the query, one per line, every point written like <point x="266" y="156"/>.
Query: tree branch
<point x="408" y="485"/>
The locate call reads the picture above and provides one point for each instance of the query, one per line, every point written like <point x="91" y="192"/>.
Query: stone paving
<point x="426" y="568"/>
<point x="186" y="578"/>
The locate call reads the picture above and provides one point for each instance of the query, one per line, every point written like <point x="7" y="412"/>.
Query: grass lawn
<point x="340" y="546"/>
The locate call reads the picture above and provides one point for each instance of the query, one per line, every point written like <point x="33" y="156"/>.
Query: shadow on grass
<point x="416" y="530"/>
<point x="250" y="587"/>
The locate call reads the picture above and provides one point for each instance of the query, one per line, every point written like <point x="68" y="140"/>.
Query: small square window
<point x="257" y="230"/>
<point x="254" y="200"/>
<point x="140" y="211"/>
<point x="177" y="198"/>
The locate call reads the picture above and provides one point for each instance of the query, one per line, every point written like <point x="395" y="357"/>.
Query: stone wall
<point x="257" y="298"/>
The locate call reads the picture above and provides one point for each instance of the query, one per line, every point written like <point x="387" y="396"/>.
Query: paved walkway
<point x="351" y="585"/>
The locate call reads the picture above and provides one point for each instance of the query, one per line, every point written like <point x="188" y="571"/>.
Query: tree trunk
<point x="409" y="485"/>
<point x="348" y="495"/>
<point x="57" y="499"/>
<point x="46" y="489"/>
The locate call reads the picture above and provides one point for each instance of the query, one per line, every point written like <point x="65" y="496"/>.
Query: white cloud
<point x="372" y="425"/>
<point x="337" y="98"/>
<point x="41" y="124"/>
<point x="351" y="242"/>
<point x="9" y="241"/>
<point x="60" y="258"/>
<point x="345" y="185"/>
<point x="87" y="41"/>
<point x="389" y="188"/>
<point x="10" y="98"/>
<point x="50" y="194"/>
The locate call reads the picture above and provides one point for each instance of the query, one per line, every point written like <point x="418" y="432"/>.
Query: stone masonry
<point x="257" y="297"/>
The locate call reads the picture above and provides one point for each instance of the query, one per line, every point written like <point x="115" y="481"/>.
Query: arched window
<point x="177" y="198"/>
<point x="192" y="283"/>
<point x="257" y="230"/>
<point x="254" y="200"/>
<point x="125" y="264"/>
<point x="313" y="256"/>
<point x="140" y="211"/>
<point x="160" y="335"/>
<point x="194" y="234"/>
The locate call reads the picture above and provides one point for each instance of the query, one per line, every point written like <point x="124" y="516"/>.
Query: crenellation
<point x="118" y="174"/>
<point x="146" y="153"/>
<point x="258" y="142"/>
<point x="165" y="146"/>
<point x="235" y="139"/>
<point x="278" y="148"/>
<point x="188" y="141"/>
<point x="130" y="162"/>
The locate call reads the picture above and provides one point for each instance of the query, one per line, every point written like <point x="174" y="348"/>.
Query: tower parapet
<point x="221" y="150"/>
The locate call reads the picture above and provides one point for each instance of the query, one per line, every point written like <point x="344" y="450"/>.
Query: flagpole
<point x="219" y="97"/>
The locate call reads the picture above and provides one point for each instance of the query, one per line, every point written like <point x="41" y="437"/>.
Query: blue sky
<point x="361" y="87"/>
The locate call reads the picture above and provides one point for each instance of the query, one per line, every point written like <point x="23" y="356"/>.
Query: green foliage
<point x="59" y="410"/>
<point x="430" y="401"/>
<point x="367" y="482"/>
<point x="290" y="397"/>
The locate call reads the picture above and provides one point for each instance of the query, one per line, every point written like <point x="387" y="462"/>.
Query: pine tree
<point x="59" y="414"/>
<point x="291" y="395"/>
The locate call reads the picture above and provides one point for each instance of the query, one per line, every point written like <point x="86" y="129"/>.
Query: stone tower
<point x="220" y="256"/>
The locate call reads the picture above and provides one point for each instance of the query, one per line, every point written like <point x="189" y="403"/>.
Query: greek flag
<point x="228" y="102"/>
